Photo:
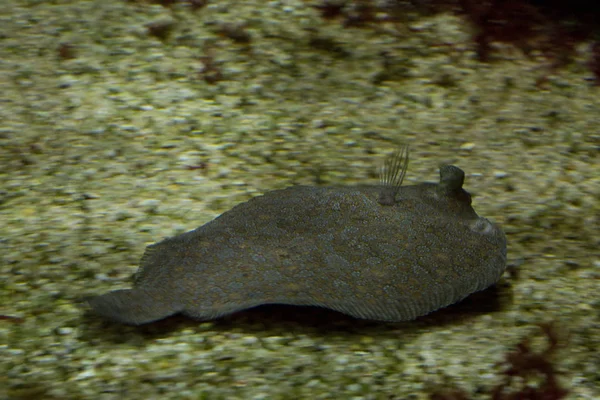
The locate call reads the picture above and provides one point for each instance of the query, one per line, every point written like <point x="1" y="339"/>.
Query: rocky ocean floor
<point x="122" y="123"/>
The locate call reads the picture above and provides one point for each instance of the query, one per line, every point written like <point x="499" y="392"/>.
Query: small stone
<point x="249" y="340"/>
<point x="102" y="277"/>
<point x="64" y="331"/>
<point x="584" y="307"/>
<point x="354" y="387"/>
<point x="86" y="374"/>
<point x="129" y="128"/>
<point x="150" y="203"/>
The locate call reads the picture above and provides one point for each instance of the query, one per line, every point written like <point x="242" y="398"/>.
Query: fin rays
<point x="391" y="176"/>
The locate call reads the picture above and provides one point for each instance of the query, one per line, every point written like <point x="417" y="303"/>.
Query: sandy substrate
<point x="112" y="138"/>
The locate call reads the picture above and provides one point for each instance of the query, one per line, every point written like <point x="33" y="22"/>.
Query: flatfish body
<point x="381" y="252"/>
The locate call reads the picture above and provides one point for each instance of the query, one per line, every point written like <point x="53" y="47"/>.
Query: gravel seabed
<point x="126" y="143"/>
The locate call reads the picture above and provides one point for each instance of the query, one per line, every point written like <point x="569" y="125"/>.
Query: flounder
<point x="381" y="251"/>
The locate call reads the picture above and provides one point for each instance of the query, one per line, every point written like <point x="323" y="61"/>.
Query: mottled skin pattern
<point x="335" y="247"/>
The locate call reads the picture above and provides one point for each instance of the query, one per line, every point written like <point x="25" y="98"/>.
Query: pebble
<point x="249" y="340"/>
<point x="64" y="331"/>
<point x="149" y="203"/>
<point x="86" y="374"/>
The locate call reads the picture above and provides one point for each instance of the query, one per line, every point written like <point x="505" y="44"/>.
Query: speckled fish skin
<point x="334" y="247"/>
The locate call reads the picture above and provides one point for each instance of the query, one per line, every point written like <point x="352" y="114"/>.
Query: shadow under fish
<point x="382" y="251"/>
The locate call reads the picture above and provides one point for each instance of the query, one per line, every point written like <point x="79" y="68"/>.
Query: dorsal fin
<point x="391" y="176"/>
